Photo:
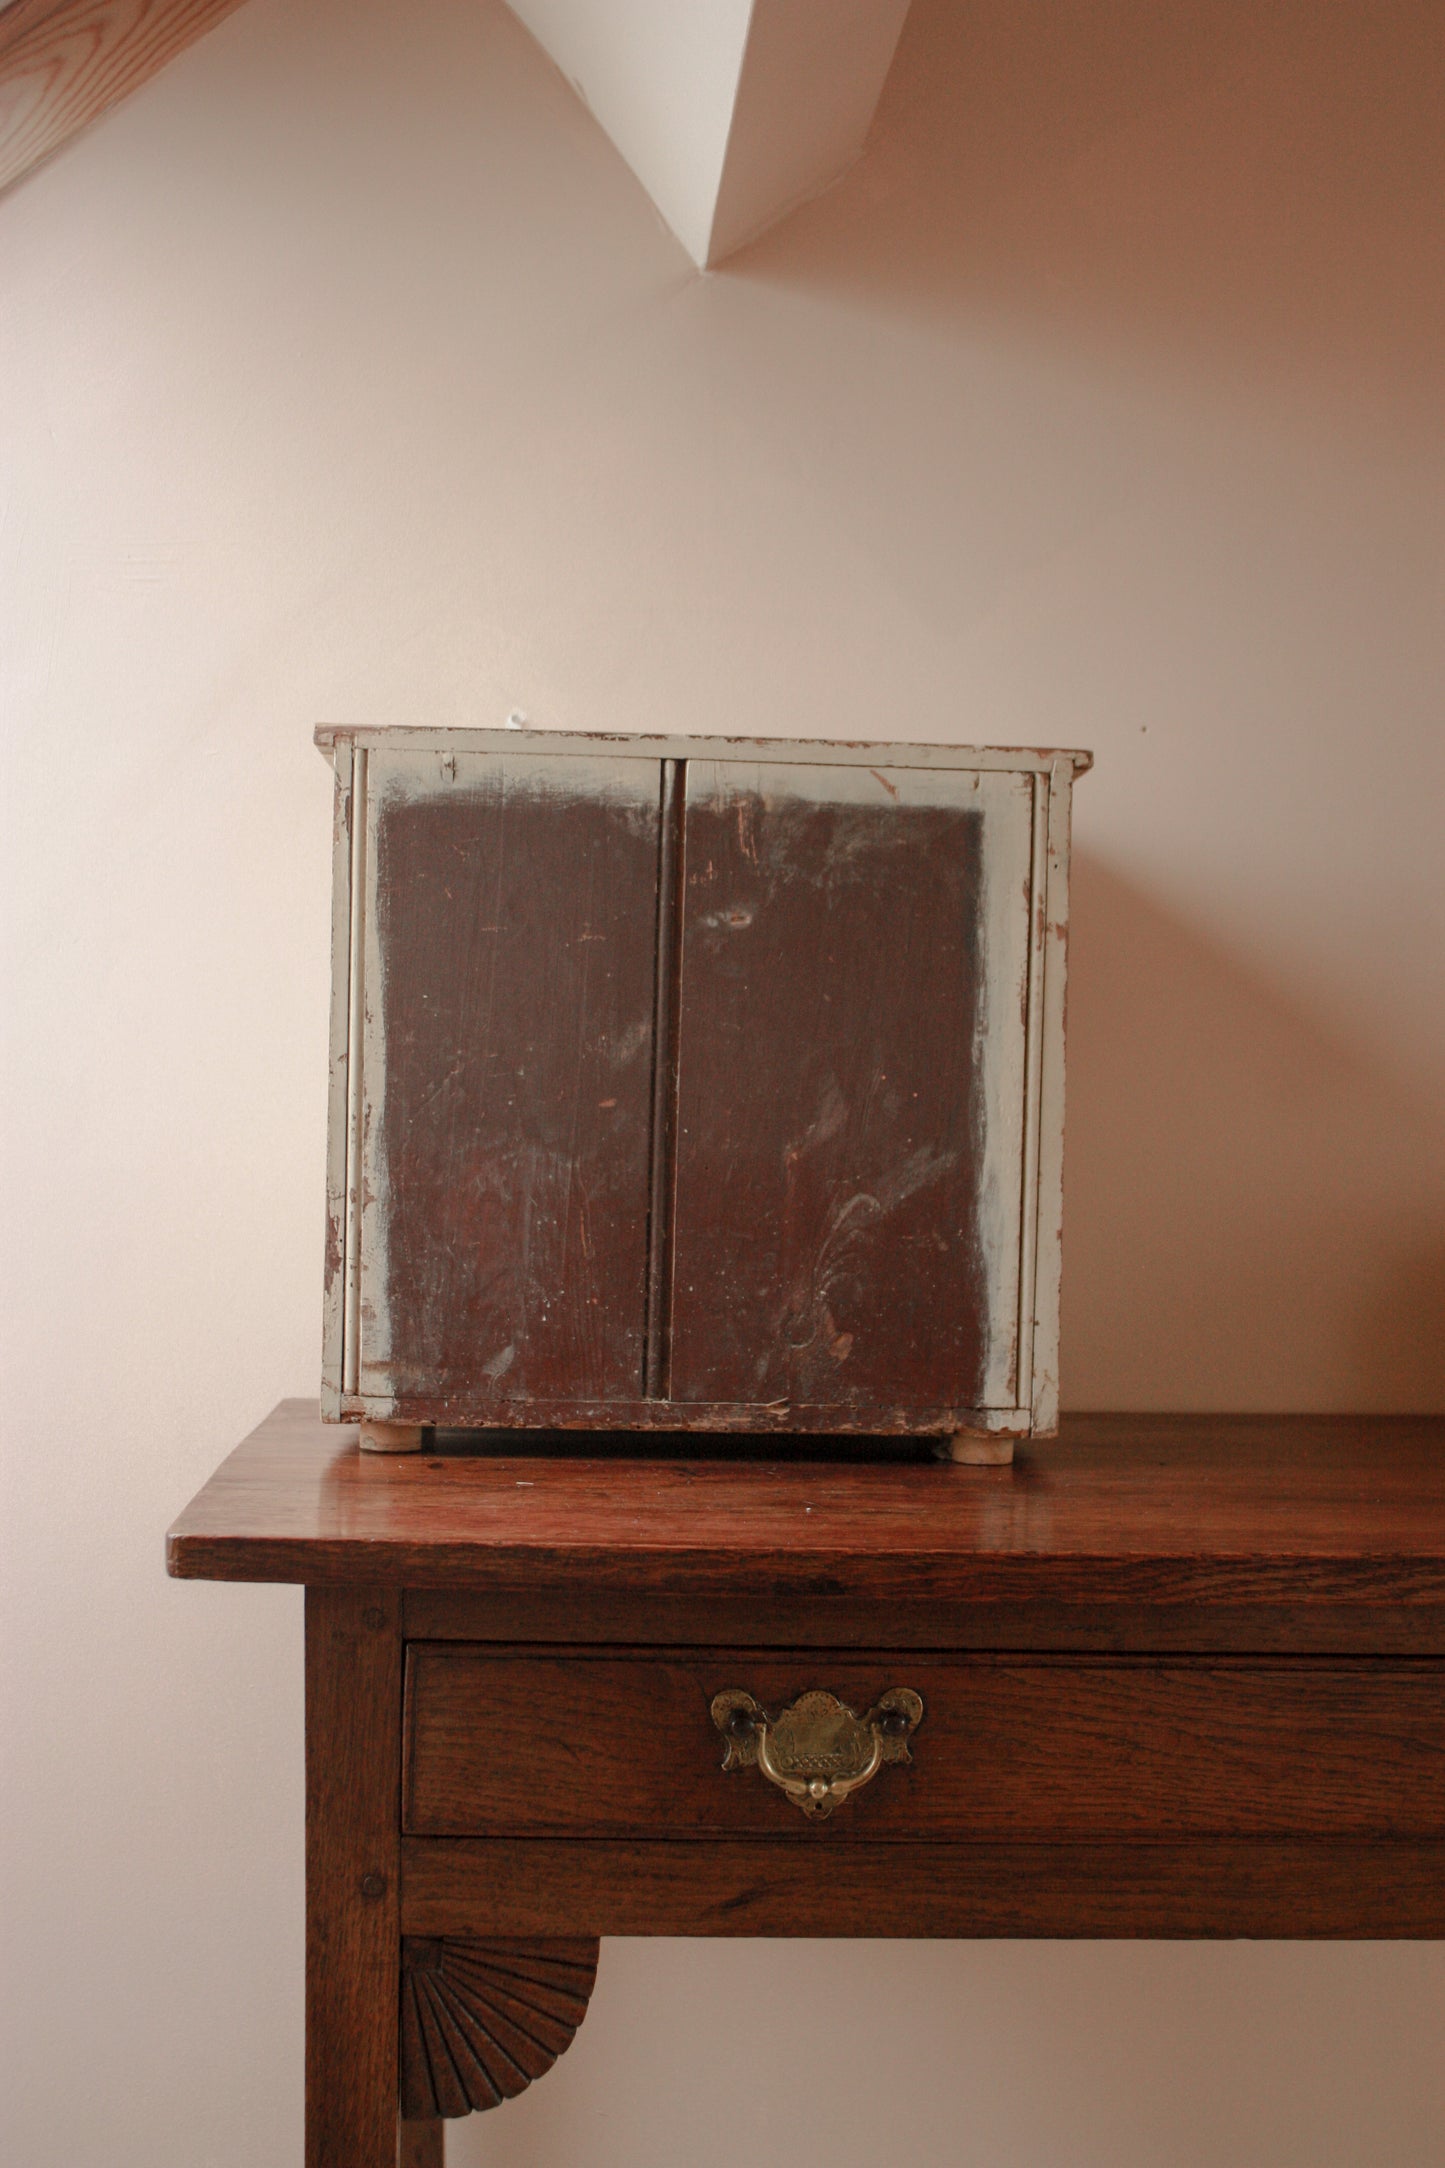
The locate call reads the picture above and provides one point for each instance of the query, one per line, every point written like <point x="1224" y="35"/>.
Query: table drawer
<point x="627" y="1744"/>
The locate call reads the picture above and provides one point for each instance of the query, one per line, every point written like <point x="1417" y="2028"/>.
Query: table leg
<point x="421" y="2145"/>
<point x="353" y="1858"/>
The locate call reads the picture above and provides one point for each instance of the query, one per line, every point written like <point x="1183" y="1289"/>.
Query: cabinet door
<point x="510" y="907"/>
<point x="850" y="1105"/>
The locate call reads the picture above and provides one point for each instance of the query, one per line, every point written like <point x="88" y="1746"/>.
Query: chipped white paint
<point x="368" y="1325"/>
<point x="1033" y="998"/>
<point x="1024" y="797"/>
<point x="338" y="1122"/>
<point x="1047" y="1206"/>
<point x="1003" y="1051"/>
<point x="355" y="1070"/>
<point x="836" y="753"/>
<point x="880" y="780"/>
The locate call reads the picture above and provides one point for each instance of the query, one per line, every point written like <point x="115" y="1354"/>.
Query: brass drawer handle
<point x="819" y="1749"/>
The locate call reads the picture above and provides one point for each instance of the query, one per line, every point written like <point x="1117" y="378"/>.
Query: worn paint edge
<point x="461" y="1411"/>
<point x="355" y="1020"/>
<point x="1048" y="1270"/>
<point x="384" y="779"/>
<point x="333" y="1302"/>
<point x="662" y="1162"/>
<point x="1033" y="1096"/>
<point x="839" y="752"/>
<point x="1000" y="1052"/>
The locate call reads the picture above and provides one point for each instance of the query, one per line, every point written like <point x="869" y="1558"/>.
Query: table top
<point x="1192" y="1509"/>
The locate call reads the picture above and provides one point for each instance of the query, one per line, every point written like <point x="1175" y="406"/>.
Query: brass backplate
<point x="817" y="1750"/>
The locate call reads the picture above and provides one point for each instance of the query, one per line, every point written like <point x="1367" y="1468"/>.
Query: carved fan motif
<point x="481" y="2019"/>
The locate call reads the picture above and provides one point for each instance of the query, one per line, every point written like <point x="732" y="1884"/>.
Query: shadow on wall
<point x="989" y="2055"/>
<point x="1254" y="1215"/>
<point x="1236" y="180"/>
<point x="1255" y="1212"/>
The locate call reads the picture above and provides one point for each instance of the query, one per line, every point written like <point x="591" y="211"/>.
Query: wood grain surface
<point x="569" y="1790"/>
<point x="827" y="1245"/>
<point x="1288" y="1886"/>
<point x="481" y="2020"/>
<point x="353" y="1717"/>
<point x="515" y="1744"/>
<point x="64" y="62"/>
<point x="1289" y="1527"/>
<point x="423" y="2145"/>
<point x="1142" y="1615"/>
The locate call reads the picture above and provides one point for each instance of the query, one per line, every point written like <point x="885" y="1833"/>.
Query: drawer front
<point x="501" y="1743"/>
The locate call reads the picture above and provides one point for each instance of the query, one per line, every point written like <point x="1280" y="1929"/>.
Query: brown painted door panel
<point x="507" y="1066"/>
<point x="848" y="1114"/>
<point x="499" y="1744"/>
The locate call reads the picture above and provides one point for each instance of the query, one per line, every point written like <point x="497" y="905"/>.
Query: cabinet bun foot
<point x="974" y="1451"/>
<point x="391" y="1437"/>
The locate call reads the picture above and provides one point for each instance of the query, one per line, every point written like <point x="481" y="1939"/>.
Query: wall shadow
<point x="978" y="2054"/>
<point x="1219" y="177"/>
<point x="1254" y="1214"/>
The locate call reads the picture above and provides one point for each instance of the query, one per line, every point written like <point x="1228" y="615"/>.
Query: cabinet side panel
<point x="841" y="1146"/>
<point x="334" y="1281"/>
<point x="1042" y="1390"/>
<point x="508" y="1090"/>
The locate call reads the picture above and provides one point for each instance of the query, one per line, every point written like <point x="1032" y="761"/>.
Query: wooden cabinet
<point x="696" y="1084"/>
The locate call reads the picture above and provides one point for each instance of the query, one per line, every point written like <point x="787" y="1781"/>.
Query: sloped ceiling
<point x="729" y="112"/>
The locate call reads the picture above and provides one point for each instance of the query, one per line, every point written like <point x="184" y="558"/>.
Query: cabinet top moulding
<point x="839" y="752"/>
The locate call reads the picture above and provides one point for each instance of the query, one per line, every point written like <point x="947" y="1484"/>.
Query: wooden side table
<point x="1168" y="1676"/>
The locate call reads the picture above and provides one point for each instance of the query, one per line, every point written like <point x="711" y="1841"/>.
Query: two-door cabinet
<point x="688" y="1084"/>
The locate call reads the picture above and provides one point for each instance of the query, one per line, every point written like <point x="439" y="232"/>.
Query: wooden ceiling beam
<point x="64" y="62"/>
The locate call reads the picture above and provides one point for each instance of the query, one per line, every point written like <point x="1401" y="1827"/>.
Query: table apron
<point x="1295" y="1887"/>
